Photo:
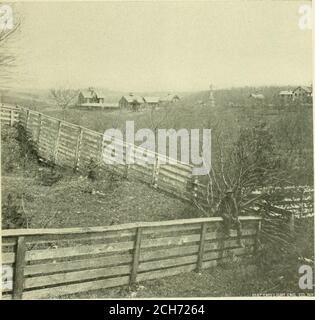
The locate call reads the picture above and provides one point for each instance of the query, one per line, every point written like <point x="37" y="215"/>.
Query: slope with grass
<point x="46" y="197"/>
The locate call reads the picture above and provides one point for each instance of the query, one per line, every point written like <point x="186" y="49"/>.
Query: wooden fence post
<point x="127" y="158"/>
<point x="291" y="222"/>
<point x="201" y="246"/>
<point x="256" y="245"/>
<point x="156" y="169"/>
<point x="18" y="276"/>
<point x="221" y="243"/>
<point x="55" y="156"/>
<point x="136" y="256"/>
<point x="100" y="146"/>
<point x="27" y="118"/>
<point x="77" y="149"/>
<point x="195" y="188"/>
<point x="11" y="117"/>
<point x="39" y="129"/>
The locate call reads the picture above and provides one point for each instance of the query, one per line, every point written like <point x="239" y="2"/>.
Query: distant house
<point x="170" y="98"/>
<point x="302" y="94"/>
<point x="131" y="101"/>
<point x="87" y="96"/>
<point x="151" y="101"/>
<point x="91" y="99"/>
<point x="286" y="95"/>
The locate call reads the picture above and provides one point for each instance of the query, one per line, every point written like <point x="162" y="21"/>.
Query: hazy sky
<point x="150" y="46"/>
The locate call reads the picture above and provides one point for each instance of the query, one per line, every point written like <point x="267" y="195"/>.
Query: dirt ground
<point x="231" y="280"/>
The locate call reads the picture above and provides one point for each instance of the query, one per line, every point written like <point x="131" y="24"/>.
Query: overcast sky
<point x="149" y="46"/>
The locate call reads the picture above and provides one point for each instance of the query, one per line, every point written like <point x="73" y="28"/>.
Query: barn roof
<point x="152" y="99"/>
<point x="170" y="97"/>
<point x="86" y="93"/>
<point x="305" y="88"/>
<point x="133" y="98"/>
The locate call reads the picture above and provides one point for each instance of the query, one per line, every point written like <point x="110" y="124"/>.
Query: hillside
<point x="32" y="191"/>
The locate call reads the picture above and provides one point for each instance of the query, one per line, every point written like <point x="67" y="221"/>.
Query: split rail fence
<point x="49" y="263"/>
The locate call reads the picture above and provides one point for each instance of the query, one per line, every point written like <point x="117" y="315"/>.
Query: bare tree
<point x="7" y="55"/>
<point x="63" y="98"/>
<point x="250" y="164"/>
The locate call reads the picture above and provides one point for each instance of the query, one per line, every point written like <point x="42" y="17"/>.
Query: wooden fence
<point x="50" y="263"/>
<point x="74" y="146"/>
<point x="70" y="145"/>
<point x="9" y="115"/>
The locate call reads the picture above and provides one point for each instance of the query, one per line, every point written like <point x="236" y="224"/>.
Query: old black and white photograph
<point x="156" y="150"/>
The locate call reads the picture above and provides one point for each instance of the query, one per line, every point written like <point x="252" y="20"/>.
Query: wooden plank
<point x="76" y="276"/>
<point x="76" y="288"/>
<point x="18" y="274"/>
<point x="66" y="151"/>
<point x="77" y="149"/>
<point x="39" y="128"/>
<point x="111" y="236"/>
<point x="166" y="263"/>
<point x="66" y="142"/>
<point x="78" y="251"/>
<point x="7" y="258"/>
<point x="27" y="118"/>
<point x="173" y="177"/>
<point x="86" y="230"/>
<point x="149" y="255"/>
<point x="75" y="265"/>
<point x="136" y="255"/>
<point x="162" y="253"/>
<point x="201" y="246"/>
<point x="12" y="118"/>
<point x="165" y="273"/>
<point x="258" y="230"/>
<point x="158" y="230"/>
<point x="57" y="143"/>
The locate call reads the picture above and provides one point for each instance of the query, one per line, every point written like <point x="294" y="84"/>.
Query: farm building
<point x="131" y="101"/>
<point x="151" y="101"/>
<point x="135" y="102"/>
<point x="91" y="99"/>
<point x="285" y="95"/>
<point x="90" y="96"/>
<point x="302" y="94"/>
<point x="170" y="98"/>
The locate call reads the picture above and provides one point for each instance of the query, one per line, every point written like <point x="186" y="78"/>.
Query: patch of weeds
<point x="12" y="214"/>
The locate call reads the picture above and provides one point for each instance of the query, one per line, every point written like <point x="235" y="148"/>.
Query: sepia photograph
<point x="156" y="150"/>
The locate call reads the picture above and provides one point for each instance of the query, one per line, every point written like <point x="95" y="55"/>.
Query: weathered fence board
<point x="84" y="259"/>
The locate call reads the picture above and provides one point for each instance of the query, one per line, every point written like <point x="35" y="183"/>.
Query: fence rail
<point x="55" y="262"/>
